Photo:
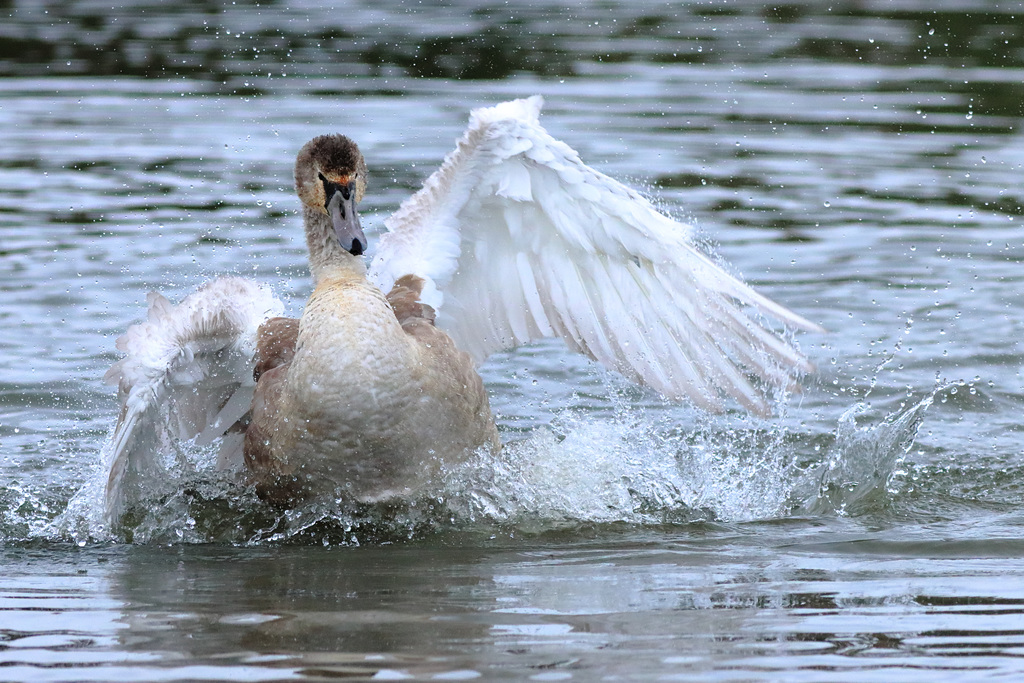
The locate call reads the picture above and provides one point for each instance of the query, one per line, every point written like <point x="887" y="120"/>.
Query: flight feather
<point x="518" y="239"/>
<point x="187" y="373"/>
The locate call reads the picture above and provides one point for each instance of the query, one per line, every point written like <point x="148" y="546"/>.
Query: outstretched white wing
<point x="187" y="373"/>
<point x="519" y="239"/>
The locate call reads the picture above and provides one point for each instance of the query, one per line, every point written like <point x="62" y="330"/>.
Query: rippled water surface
<point x="860" y="162"/>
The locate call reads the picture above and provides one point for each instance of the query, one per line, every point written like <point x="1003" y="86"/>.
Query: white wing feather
<point x="187" y="373"/>
<point x="518" y="239"/>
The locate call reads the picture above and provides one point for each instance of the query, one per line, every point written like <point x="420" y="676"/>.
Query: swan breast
<point x="370" y="404"/>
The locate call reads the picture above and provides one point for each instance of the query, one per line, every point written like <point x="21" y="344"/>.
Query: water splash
<point x="859" y="469"/>
<point x="589" y="470"/>
<point x="83" y="520"/>
<point x="633" y="467"/>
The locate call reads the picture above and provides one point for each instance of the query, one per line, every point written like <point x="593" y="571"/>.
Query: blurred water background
<point x="859" y="161"/>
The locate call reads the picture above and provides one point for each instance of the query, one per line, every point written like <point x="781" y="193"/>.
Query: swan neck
<point x="326" y="255"/>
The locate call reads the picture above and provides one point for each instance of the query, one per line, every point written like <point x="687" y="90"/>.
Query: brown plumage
<point x="275" y="348"/>
<point x="275" y="344"/>
<point x="404" y="298"/>
<point x="334" y="155"/>
<point x="363" y="394"/>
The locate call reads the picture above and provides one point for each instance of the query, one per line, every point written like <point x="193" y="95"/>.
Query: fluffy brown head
<point x="330" y="179"/>
<point x="328" y="159"/>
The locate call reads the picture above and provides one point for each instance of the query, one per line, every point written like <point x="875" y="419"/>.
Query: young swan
<point x="516" y="239"/>
<point x="363" y="395"/>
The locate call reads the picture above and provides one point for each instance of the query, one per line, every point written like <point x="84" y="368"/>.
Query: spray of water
<point x="858" y="472"/>
<point x="634" y="467"/>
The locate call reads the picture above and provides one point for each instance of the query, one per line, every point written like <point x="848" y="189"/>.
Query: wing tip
<point x="797" y="321"/>
<point x="227" y="310"/>
<point x="522" y="109"/>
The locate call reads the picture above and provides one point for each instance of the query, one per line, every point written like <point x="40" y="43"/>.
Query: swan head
<point x="330" y="179"/>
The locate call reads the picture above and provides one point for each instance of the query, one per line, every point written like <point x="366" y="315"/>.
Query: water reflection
<point x="717" y="599"/>
<point x="245" y="46"/>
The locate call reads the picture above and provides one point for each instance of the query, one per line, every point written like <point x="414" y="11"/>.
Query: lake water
<point x="860" y="162"/>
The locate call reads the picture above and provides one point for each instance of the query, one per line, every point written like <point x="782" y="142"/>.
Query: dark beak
<point x="341" y="206"/>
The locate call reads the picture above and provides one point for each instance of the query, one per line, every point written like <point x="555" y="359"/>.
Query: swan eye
<point x="331" y="187"/>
